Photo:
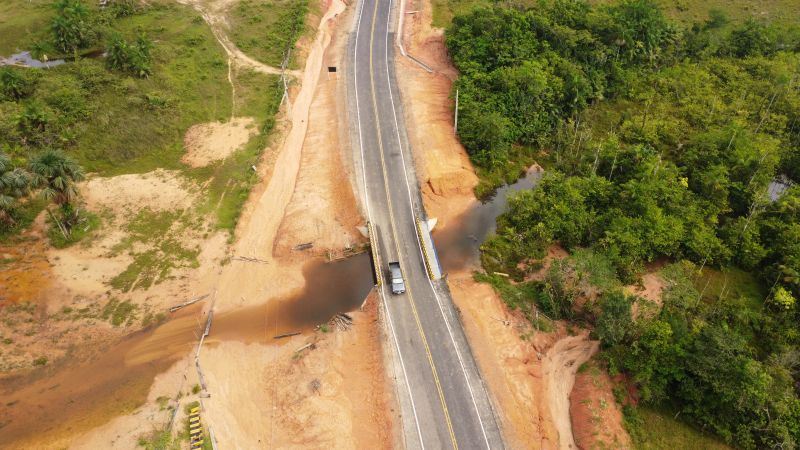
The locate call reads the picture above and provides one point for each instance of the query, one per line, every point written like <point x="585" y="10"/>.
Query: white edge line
<point x="369" y="217"/>
<point x="419" y="244"/>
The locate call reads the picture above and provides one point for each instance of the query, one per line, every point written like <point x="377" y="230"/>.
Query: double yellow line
<point x="394" y="233"/>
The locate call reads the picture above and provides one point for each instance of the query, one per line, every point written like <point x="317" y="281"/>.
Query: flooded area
<point x="458" y="244"/>
<point x="331" y="288"/>
<point x="25" y="59"/>
<point x="75" y="396"/>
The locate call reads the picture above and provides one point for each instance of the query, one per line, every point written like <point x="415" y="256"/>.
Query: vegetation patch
<point x="266" y="29"/>
<point x="653" y="429"/>
<point x="119" y="313"/>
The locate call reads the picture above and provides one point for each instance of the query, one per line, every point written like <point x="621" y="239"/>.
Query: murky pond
<point x="331" y="288"/>
<point x="78" y="396"/>
<point x="458" y="244"/>
<point x="25" y="59"/>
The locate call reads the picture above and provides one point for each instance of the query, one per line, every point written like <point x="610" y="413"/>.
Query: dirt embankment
<point x="530" y="373"/>
<point x="593" y="406"/>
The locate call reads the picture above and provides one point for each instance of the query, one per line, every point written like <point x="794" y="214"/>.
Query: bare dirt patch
<point x="511" y="365"/>
<point x="444" y="170"/>
<point x="210" y="142"/>
<point x="331" y="394"/>
<point x="159" y="190"/>
<point x="596" y="416"/>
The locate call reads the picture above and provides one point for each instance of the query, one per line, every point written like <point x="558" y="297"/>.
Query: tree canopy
<point x="659" y="141"/>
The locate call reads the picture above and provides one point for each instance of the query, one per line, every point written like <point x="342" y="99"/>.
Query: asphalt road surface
<point x="443" y="400"/>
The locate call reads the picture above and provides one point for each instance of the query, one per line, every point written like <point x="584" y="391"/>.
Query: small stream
<point x="458" y="244"/>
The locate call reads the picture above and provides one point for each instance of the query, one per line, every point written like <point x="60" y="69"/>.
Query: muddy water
<point x="78" y="396"/>
<point x="73" y="398"/>
<point x="331" y="288"/>
<point x="458" y="244"/>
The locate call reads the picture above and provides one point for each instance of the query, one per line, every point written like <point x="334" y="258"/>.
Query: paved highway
<point x="443" y="401"/>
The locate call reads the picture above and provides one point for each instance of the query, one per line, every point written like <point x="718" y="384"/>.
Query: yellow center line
<point x="394" y="234"/>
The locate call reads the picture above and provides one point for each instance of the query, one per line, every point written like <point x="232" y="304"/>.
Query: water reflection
<point x="458" y="244"/>
<point x="25" y="59"/>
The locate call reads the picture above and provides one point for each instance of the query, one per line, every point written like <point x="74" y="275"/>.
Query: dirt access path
<point x="530" y="374"/>
<point x="260" y="395"/>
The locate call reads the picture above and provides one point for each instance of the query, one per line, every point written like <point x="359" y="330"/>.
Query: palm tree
<point x="14" y="183"/>
<point x="57" y="174"/>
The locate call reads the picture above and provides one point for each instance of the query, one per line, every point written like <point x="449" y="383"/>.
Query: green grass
<point x="160" y="439"/>
<point x="264" y="29"/>
<point x="658" y="430"/>
<point x="26" y="214"/>
<point x="22" y="22"/>
<point x="596" y="268"/>
<point x="690" y="11"/>
<point x="113" y="123"/>
<point x="231" y="180"/>
<point x="731" y="284"/>
<point x="138" y="125"/>
<point x="164" y="252"/>
<point x="119" y="313"/>
<point x="89" y="224"/>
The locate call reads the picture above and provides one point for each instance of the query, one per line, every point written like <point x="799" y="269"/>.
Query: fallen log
<point x="285" y="335"/>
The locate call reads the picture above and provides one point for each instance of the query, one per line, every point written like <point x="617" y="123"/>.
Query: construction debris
<point x="188" y="302"/>
<point x="342" y="321"/>
<point x="281" y="336"/>
<point x="311" y="345"/>
<point x="195" y="428"/>
<point x="250" y="259"/>
<point x="305" y="246"/>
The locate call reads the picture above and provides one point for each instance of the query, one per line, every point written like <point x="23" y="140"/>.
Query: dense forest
<point x="661" y="142"/>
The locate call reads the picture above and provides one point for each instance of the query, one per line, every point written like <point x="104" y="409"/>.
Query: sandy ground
<point x="530" y="374"/>
<point x="210" y="142"/>
<point x="593" y="406"/>
<point x="244" y="378"/>
<point x="329" y="395"/>
<point x="322" y="209"/>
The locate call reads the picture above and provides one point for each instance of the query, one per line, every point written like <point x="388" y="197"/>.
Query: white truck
<point x="396" y="276"/>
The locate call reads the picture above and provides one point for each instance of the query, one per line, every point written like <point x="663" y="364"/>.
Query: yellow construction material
<point x="424" y="249"/>
<point x="373" y="247"/>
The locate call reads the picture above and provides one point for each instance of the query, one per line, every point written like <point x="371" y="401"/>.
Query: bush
<point x="133" y="58"/>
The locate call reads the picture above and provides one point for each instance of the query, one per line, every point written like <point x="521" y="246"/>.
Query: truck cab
<point x="396" y="277"/>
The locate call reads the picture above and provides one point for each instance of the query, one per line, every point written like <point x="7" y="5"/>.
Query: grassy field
<point x="149" y="117"/>
<point x="264" y="29"/>
<point x="660" y="431"/>
<point x="22" y="22"/>
<point x="684" y="11"/>
<point x="690" y="11"/>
